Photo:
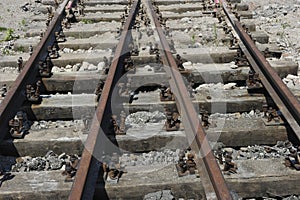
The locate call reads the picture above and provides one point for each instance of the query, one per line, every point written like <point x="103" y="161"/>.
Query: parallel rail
<point x="86" y="176"/>
<point x="287" y="103"/>
<point x="212" y="179"/>
<point x="16" y="94"/>
<point x="87" y="173"/>
<point x="214" y="184"/>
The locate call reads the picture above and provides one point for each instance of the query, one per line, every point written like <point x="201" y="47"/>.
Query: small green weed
<point x="87" y="21"/>
<point x="3" y="29"/>
<point x="23" y="22"/>
<point x="21" y="48"/>
<point x="5" y="51"/>
<point x="10" y="35"/>
<point x="193" y="38"/>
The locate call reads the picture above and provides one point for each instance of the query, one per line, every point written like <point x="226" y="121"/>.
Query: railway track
<point x="143" y="68"/>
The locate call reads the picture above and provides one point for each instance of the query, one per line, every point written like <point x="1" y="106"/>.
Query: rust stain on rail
<point x="16" y="95"/>
<point x="78" y="188"/>
<point x="285" y="100"/>
<point x="211" y="176"/>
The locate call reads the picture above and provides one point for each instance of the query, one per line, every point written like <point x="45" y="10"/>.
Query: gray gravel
<point x="141" y="118"/>
<point x="50" y="161"/>
<point x="292" y="197"/>
<point x="279" y="20"/>
<point x="166" y="156"/>
<point x="280" y="150"/>
<point x="253" y="114"/>
<point x="38" y="125"/>
<point x="160" y="195"/>
<point x="292" y="81"/>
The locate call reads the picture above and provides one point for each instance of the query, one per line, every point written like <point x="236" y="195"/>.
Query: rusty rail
<point x="212" y="179"/>
<point x="285" y="100"/>
<point x="87" y="173"/>
<point x="16" y="94"/>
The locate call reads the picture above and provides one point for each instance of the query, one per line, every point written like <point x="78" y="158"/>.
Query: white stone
<point x="233" y="66"/>
<point x="187" y="64"/>
<point x="84" y="66"/>
<point x="292" y="77"/>
<point x="100" y="65"/>
<point x="75" y="68"/>
<point x="285" y="80"/>
<point x="237" y="115"/>
<point x="185" y="19"/>
<point x="229" y="86"/>
<point x="228" y="150"/>
<point x="148" y="67"/>
<point x="92" y="67"/>
<point x="244" y="149"/>
<point x="56" y="69"/>
<point x="290" y="84"/>
<point x="197" y="45"/>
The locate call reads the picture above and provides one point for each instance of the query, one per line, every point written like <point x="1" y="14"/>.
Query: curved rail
<point x="212" y="179"/>
<point x="287" y="103"/>
<point x="16" y="95"/>
<point x="87" y="173"/>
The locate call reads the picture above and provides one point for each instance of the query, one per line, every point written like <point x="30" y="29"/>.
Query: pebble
<point x="188" y="64"/>
<point x="69" y="67"/>
<point x="166" y="156"/>
<point x="229" y="86"/>
<point x="76" y="68"/>
<point x="148" y="68"/>
<point x="50" y="161"/>
<point x="292" y="197"/>
<point x="292" y="81"/>
<point x="141" y="118"/>
<point x="233" y="66"/>
<point x="12" y="70"/>
<point x="84" y="66"/>
<point x="56" y="69"/>
<point x="92" y="67"/>
<point x="253" y="114"/>
<point x="259" y="152"/>
<point x="160" y="195"/>
<point x="215" y="86"/>
<point x="67" y="50"/>
<point x="37" y="125"/>
<point x="228" y="150"/>
<point x="244" y="149"/>
<point x="278" y="20"/>
<point x="100" y="65"/>
<point x="55" y="163"/>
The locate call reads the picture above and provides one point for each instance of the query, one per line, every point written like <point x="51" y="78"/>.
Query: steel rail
<point x="212" y="178"/>
<point x="16" y="94"/>
<point x="81" y="188"/>
<point x="285" y="100"/>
